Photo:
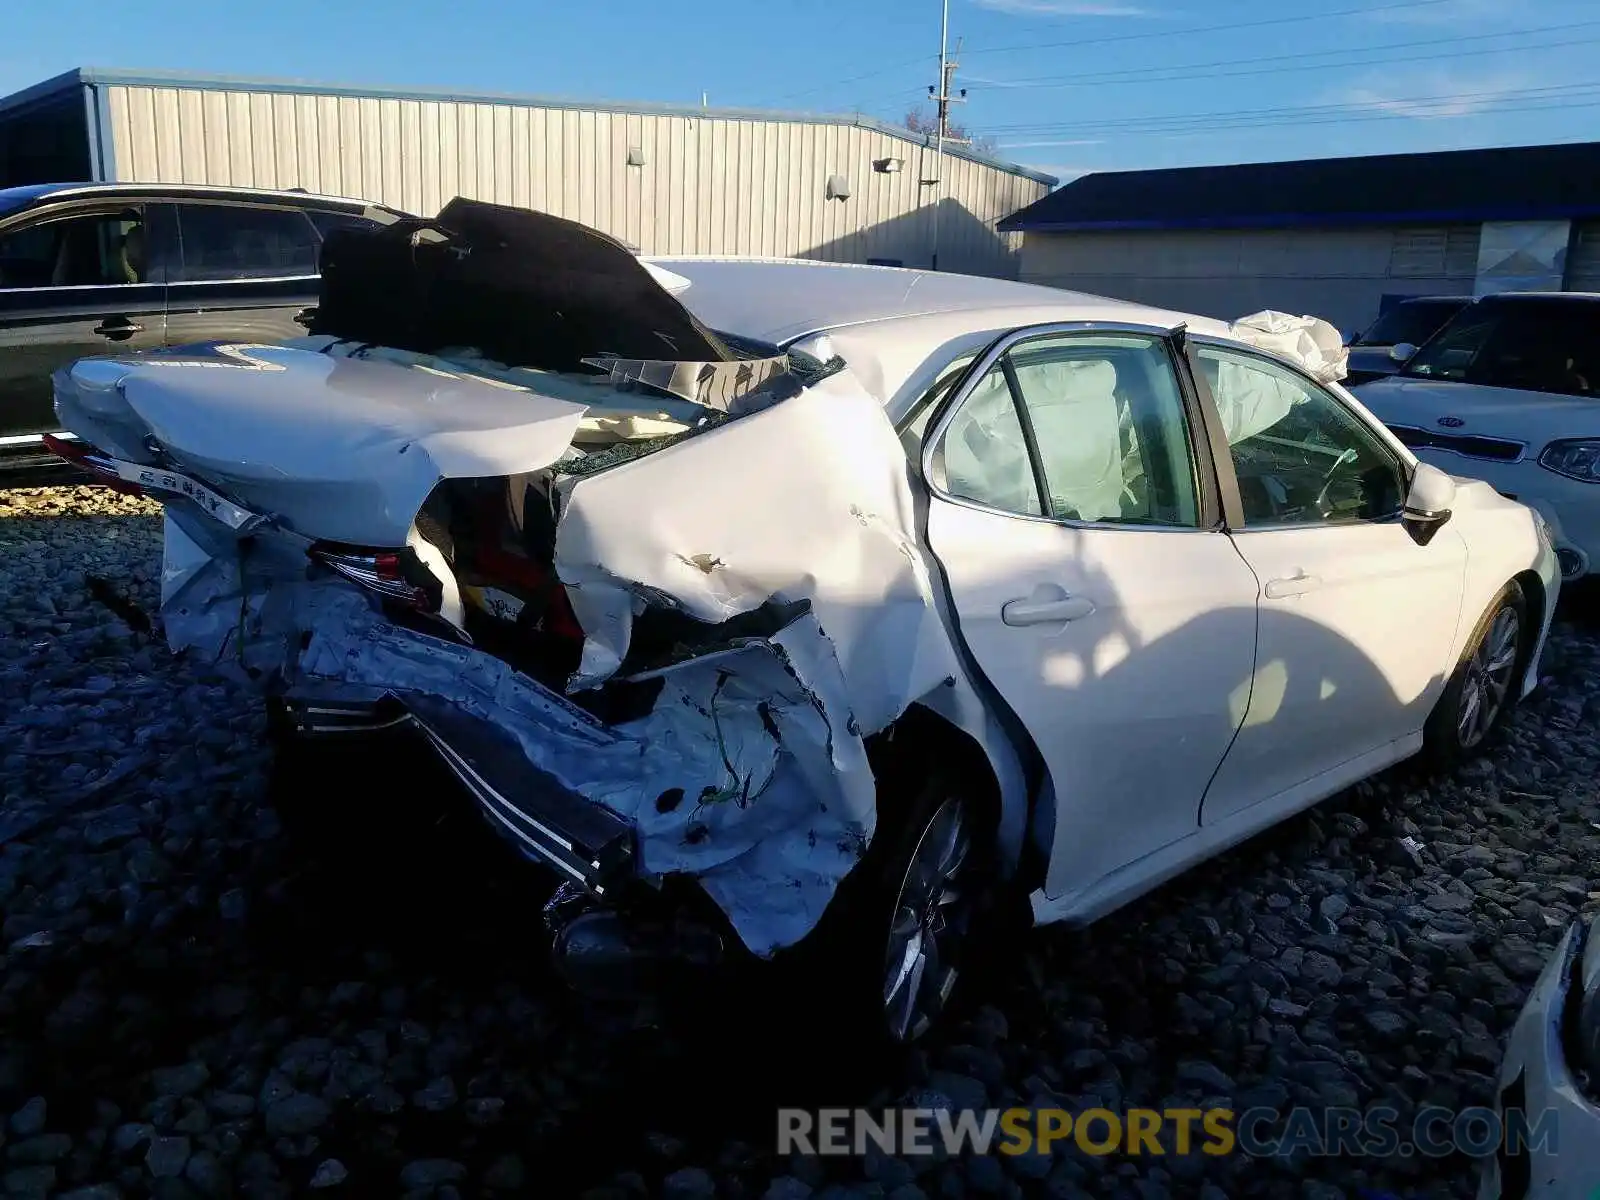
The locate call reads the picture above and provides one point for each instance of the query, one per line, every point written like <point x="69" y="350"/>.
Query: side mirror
<point x="1428" y="503"/>
<point x="1402" y="352"/>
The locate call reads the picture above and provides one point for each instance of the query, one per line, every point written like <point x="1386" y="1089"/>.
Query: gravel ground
<point x="186" y="1010"/>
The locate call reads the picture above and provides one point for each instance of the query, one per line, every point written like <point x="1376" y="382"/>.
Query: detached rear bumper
<point x="583" y="841"/>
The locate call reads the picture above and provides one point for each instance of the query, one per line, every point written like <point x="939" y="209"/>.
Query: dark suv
<point x="108" y="267"/>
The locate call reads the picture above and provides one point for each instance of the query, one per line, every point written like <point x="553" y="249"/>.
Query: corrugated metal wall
<point x="1340" y="275"/>
<point x="708" y="184"/>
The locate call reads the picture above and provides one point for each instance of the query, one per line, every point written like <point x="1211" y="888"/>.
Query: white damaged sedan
<point x="850" y="596"/>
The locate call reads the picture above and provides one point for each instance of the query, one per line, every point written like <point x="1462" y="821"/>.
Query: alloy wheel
<point x="928" y="920"/>
<point x="1487" y="682"/>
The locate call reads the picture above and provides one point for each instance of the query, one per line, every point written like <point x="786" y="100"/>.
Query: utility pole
<point x="943" y="99"/>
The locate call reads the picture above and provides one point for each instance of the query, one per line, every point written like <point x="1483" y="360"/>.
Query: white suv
<point x="1509" y="392"/>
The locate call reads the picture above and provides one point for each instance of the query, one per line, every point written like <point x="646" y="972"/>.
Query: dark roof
<point x="1510" y="183"/>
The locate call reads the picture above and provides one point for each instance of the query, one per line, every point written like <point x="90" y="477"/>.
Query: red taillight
<point x="81" y="454"/>
<point x="395" y="574"/>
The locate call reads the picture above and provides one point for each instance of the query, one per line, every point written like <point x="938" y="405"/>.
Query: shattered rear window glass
<point x="593" y="463"/>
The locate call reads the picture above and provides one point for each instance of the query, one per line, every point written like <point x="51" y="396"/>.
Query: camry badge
<point x="1451" y="422"/>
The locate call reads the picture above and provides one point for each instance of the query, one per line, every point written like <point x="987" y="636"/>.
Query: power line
<point x="1117" y="76"/>
<point x="1560" y="105"/>
<point x="1193" y="29"/>
<point x="1551" y="92"/>
<point x="879" y="72"/>
<point x="821" y="87"/>
<point x="1212" y="73"/>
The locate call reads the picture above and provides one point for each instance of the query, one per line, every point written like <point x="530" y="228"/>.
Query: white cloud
<point x="1432" y="96"/>
<point x="1065" y="8"/>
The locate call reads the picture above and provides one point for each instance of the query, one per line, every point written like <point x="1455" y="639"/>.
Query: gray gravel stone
<point x="30" y="1118"/>
<point x="689" y="1183"/>
<point x="330" y="1172"/>
<point x="506" y="1174"/>
<point x="431" y="1173"/>
<point x="29" y="1181"/>
<point x="295" y="1114"/>
<point x="167" y="1156"/>
<point x="40" y="1148"/>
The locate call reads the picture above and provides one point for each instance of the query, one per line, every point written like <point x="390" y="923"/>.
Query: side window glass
<point x="983" y="455"/>
<point x="223" y="241"/>
<point x="1301" y="457"/>
<point x="1109" y="423"/>
<point x="914" y="428"/>
<point x="327" y="222"/>
<point x="93" y="249"/>
<point x="1543" y="348"/>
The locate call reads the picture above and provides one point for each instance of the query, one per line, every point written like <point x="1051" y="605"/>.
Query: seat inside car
<point x="127" y="265"/>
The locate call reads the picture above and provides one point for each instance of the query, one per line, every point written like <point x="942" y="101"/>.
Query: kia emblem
<point x="1451" y="422"/>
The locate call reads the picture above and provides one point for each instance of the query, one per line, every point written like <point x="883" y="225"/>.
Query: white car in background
<point x="1549" y="1084"/>
<point x="1509" y="392"/>
<point x="847" y="595"/>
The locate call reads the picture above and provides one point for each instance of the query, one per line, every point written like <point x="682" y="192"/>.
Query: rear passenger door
<point x="1076" y="518"/>
<point x="75" y="282"/>
<point x="245" y="273"/>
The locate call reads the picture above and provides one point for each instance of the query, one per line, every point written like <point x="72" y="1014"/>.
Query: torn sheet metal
<point x="1309" y="341"/>
<point x="744" y="775"/>
<point x="805" y="501"/>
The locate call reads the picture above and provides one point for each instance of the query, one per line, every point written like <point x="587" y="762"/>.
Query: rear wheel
<point x="1483" y="689"/>
<point x="885" y="961"/>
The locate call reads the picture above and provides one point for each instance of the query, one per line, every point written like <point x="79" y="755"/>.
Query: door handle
<point x="1046" y="612"/>
<point x="118" y="329"/>
<point x="305" y="316"/>
<point x="1295" y="585"/>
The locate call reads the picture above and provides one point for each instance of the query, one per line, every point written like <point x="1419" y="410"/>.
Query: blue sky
<point x="1065" y="85"/>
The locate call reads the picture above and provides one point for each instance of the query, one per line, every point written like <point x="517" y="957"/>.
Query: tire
<point x="917" y="896"/>
<point x="1471" y="711"/>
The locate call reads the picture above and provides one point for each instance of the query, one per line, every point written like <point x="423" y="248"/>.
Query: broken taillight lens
<point x="81" y="454"/>
<point x="394" y="574"/>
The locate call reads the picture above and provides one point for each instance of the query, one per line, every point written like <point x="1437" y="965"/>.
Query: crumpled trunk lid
<point x="336" y="448"/>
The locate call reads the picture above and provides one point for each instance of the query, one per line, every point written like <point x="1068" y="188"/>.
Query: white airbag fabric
<point x="1309" y="341"/>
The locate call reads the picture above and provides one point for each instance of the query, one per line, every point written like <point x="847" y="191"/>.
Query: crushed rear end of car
<point x="647" y="595"/>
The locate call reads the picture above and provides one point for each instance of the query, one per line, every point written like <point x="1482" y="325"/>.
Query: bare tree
<point x="919" y="120"/>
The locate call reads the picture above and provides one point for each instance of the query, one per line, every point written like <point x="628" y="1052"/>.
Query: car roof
<point x="16" y="199"/>
<point x="1433" y="300"/>
<point x="780" y="300"/>
<point x="1540" y="298"/>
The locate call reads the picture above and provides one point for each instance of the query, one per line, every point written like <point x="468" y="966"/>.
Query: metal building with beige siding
<point x="664" y="179"/>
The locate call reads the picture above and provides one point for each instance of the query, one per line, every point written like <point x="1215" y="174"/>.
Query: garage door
<point x="1583" y="257"/>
